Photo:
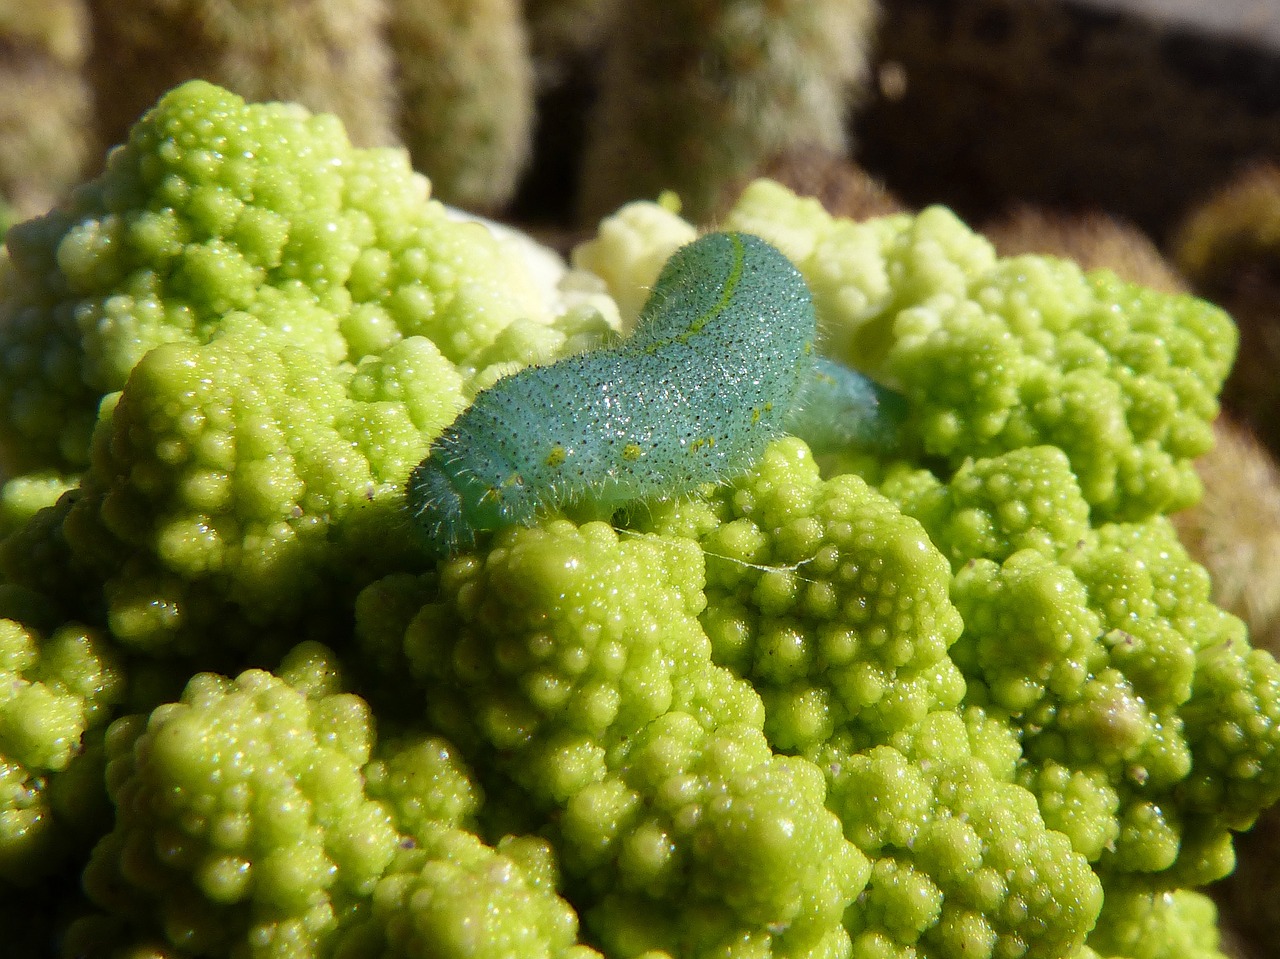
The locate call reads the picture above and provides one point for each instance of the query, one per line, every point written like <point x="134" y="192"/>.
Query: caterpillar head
<point x="438" y="509"/>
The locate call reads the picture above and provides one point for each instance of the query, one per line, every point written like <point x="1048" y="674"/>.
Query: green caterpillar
<point x="721" y="359"/>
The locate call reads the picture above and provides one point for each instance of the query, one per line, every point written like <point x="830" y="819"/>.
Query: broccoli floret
<point x="996" y="355"/>
<point x="446" y="893"/>
<point x="836" y="606"/>
<point x="1025" y="499"/>
<point x="248" y="474"/>
<point x="596" y="635"/>
<point x="268" y="327"/>
<point x="56" y="694"/>
<point x="250" y="824"/>
<point x="215" y="210"/>
<point x="1140" y="924"/>
<point x="453" y="897"/>
<point x="705" y="840"/>
<point x="964" y="865"/>
<point x="826" y="597"/>
<point x="242" y="823"/>
<point x="424" y="784"/>
<point x="965" y="699"/>
<point x="1100" y="645"/>
<point x="571" y="662"/>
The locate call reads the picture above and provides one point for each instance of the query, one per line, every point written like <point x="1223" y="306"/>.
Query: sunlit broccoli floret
<point x="289" y="321"/>
<point x="56" y="693"/>
<point x="214" y="211"/>
<point x="242" y="822"/>
<point x="1167" y="924"/>
<point x="831" y="601"/>
<point x="453" y="897"/>
<point x="967" y="699"/>
<point x="999" y="354"/>
<point x="571" y="661"/>
<point x="963" y="863"/>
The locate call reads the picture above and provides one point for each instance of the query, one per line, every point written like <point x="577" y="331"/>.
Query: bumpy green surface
<point x="289" y="322"/>
<point x="217" y="213"/>
<point x="56" y="693"/>
<point x="1159" y="925"/>
<point x="456" y="898"/>
<point x="842" y="620"/>
<point x="968" y="701"/>
<point x="598" y="697"/>
<point x="241" y="815"/>
<point x="997" y="355"/>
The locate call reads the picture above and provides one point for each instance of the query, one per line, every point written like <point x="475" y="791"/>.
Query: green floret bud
<point x="562" y="642"/>
<point x="1029" y="630"/>
<point x="424" y="784"/>
<point x="1082" y="804"/>
<point x="43" y="581"/>
<point x="995" y="355"/>
<point x="706" y="840"/>
<point x="963" y="863"/>
<point x="1233" y="728"/>
<point x="214" y="210"/>
<point x="453" y="897"/>
<point x="1025" y="499"/>
<point x="826" y="597"/>
<point x="251" y="475"/>
<point x="55" y="693"/>
<point x="569" y="662"/>
<point x="1123" y="381"/>
<point x="1131" y="691"/>
<point x="242" y="824"/>
<point x="313" y="669"/>
<point x="1139" y="924"/>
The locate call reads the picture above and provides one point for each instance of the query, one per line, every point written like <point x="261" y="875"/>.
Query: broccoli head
<point x="217" y="211"/>
<point x="572" y="659"/>
<point x="56" y="695"/>
<point x="964" y="697"/>
<point x="294" y="317"/>
<point x="1000" y="354"/>
<point x="241" y="817"/>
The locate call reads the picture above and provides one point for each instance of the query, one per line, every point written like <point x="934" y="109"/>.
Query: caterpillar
<point x="839" y="409"/>
<point x="721" y="352"/>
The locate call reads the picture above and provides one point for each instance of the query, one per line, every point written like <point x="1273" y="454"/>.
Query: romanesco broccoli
<point x="968" y="698"/>
<point x="56" y="695"/>
<point x="996" y="355"/>
<point x="286" y="322"/>
<point x="215" y="214"/>
<point x="599" y="698"/>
